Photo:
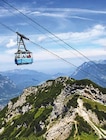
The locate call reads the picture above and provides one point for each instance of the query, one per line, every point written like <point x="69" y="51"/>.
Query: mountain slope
<point x="93" y="71"/>
<point x="56" y="110"/>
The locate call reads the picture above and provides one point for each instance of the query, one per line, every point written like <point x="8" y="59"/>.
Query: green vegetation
<point x="28" y="124"/>
<point x="88" y="82"/>
<point x="31" y="137"/>
<point x="14" y="100"/>
<point x="99" y="109"/>
<point x="73" y="101"/>
<point x="70" y="81"/>
<point x="39" y="112"/>
<point x="85" y="82"/>
<point x="84" y="132"/>
<point x="89" y="104"/>
<point x="104" y="127"/>
<point x="3" y="112"/>
<point x="33" y="124"/>
<point x="47" y="96"/>
<point x="101" y="114"/>
<point x="2" y="115"/>
<point x="83" y="126"/>
<point x="84" y="136"/>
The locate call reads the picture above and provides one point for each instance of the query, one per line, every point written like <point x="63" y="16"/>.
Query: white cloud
<point x="101" y="42"/>
<point x="48" y="14"/>
<point x="93" y="52"/>
<point x="76" y="13"/>
<point x="75" y="37"/>
<point x="41" y="38"/>
<point x="11" y="51"/>
<point x="11" y="43"/>
<point x="72" y="10"/>
<point x="57" y="14"/>
<point x="66" y="54"/>
<point x="92" y="33"/>
<point x="53" y="12"/>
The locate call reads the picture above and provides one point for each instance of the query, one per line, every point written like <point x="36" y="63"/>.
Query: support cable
<point x="51" y="52"/>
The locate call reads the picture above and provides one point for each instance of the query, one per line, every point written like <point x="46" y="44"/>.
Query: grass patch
<point x="83" y="126"/>
<point x="93" y="104"/>
<point x="39" y="112"/>
<point x="84" y="136"/>
<point x="48" y="95"/>
<point x="99" y="109"/>
<point x="3" y="112"/>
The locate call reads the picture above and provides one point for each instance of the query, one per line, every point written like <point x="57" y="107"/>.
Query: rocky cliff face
<point x="56" y="110"/>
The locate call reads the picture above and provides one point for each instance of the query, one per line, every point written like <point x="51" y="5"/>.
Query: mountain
<point x="95" y="71"/>
<point x="13" y="82"/>
<point x="7" y="89"/>
<point x="24" y="78"/>
<point x="60" y="109"/>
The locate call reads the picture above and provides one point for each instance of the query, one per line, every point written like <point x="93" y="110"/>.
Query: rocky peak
<point x="57" y="110"/>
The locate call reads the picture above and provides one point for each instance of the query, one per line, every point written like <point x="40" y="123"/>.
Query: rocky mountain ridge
<point x="56" y="110"/>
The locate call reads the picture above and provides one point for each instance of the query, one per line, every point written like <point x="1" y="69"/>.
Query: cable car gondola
<point x="22" y="56"/>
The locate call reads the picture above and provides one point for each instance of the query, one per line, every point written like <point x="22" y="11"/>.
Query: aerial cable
<point x="46" y="30"/>
<point x="52" y="34"/>
<point x="7" y="27"/>
<point x="56" y="41"/>
<point x="39" y="45"/>
<point x="64" y="60"/>
<point x="52" y="53"/>
<point x="18" y="17"/>
<point x="32" y="25"/>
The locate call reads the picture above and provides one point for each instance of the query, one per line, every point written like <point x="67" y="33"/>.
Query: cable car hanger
<point x="22" y="56"/>
<point x="20" y="40"/>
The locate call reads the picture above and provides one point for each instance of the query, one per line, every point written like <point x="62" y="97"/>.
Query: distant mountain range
<point x="24" y="78"/>
<point x="13" y="82"/>
<point x="19" y="79"/>
<point x="60" y="109"/>
<point x="95" y="71"/>
<point x="7" y="89"/>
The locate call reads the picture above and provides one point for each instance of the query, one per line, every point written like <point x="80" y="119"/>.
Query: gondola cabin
<point x="22" y="56"/>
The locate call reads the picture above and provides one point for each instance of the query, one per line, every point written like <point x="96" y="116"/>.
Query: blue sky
<point x="80" y="23"/>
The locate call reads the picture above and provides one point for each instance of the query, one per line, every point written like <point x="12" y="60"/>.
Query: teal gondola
<point x="22" y="56"/>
